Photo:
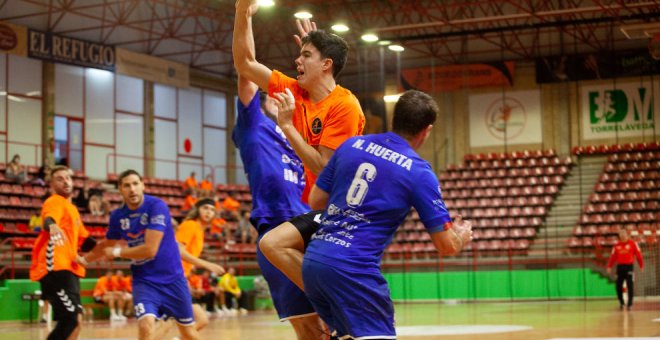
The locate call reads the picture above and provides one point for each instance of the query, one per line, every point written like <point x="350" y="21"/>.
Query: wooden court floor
<point x="421" y="321"/>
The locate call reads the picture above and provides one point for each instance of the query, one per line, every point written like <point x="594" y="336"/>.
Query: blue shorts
<point x="289" y="301"/>
<point x="355" y="304"/>
<point x="163" y="301"/>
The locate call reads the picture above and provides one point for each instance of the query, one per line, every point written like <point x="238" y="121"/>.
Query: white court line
<point x="458" y="329"/>
<point x="656" y="320"/>
<point x="638" y="338"/>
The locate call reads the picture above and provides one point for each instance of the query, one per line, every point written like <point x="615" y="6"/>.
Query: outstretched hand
<point x="57" y="236"/>
<point x="463" y="229"/>
<point x="250" y="5"/>
<point x="286" y="103"/>
<point x="217" y="269"/>
<point x="304" y="27"/>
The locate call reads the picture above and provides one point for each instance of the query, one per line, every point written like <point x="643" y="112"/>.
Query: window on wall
<point x="68" y="142"/>
<point x="20" y="115"/>
<point x="190" y="133"/>
<point x="99" y="120"/>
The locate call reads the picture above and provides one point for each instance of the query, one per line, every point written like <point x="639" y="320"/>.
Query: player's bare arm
<point x="451" y="241"/>
<point x="147" y="250"/>
<point x="196" y="261"/>
<point x="97" y="252"/>
<point x="243" y="49"/>
<point x="318" y="199"/>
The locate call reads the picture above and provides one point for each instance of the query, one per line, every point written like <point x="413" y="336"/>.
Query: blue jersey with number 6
<point x="373" y="181"/>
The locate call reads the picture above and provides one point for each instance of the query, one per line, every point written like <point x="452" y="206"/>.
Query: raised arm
<point x="243" y="45"/>
<point x="246" y="90"/>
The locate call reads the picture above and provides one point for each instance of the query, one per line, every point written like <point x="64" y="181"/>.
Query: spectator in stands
<point x="82" y="200"/>
<point x="190" y="184"/>
<point x="122" y="285"/>
<point x="106" y="292"/>
<point x="44" y="307"/>
<point x="36" y="222"/>
<point x="189" y="202"/>
<point x="16" y="172"/>
<point x="209" y="290"/>
<point x="232" y="291"/>
<point x="195" y="284"/>
<point x="623" y="255"/>
<point x="261" y="287"/>
<point x="216" y="230"/>
<point x="230" y="204"/>
<point x="98" y="206"/>
<point x="206" y="187"/>
<point x="40" y="179"/>
<point x="245" y="233"/>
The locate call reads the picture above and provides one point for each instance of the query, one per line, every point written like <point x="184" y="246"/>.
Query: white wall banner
<point x="505" y="118"/>
<point x="621" y="109"/>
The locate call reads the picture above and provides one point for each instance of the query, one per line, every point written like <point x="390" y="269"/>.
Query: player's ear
<point x="327" y="64"/>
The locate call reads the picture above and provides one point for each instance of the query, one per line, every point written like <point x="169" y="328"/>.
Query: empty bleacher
<point x="506" y="195"/>
<point x="627" y="195"/>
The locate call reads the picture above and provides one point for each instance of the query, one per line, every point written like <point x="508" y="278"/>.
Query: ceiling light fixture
<point x="384" y="42"/>
<point x="396" y="48"/>
<point x="369" y="37"/>
<point x="266" y="3"/>
<point x="303" y="15"/>
<point x="339" y="28"/>
<point x="391" y="98"/>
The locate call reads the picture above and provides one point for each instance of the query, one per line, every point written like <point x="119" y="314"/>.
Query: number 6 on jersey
<point x="365" y="173"/>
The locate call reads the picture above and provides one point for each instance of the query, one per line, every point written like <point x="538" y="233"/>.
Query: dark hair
<point x="14" y="158"/>
<point x="127" y="173"/>
<point x="193" y="214"/>
<point x="413" y="112"/>
<point x="55" y="169"/>
<point x="331" y="46"/>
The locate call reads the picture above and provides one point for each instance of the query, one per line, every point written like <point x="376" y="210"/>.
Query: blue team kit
<point x="277" y="179"/>
<point x="159" y="287"/>
<point x="360" y="220"/>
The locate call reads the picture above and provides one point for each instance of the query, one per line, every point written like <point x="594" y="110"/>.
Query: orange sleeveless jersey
<point x="190" y="183"/>
<point x="121" y="284"/>
<point x="328" y="123"/>
<point x="206" y="185"/>
<point x="45" y="256"/>
<point x="103" y="285"/>
<point x="191" y="235"/>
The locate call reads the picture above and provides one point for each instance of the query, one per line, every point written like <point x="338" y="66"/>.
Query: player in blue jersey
<point x="159" y="287"/>
<point x="276" y="180"/>
<point x="367" y="189"/>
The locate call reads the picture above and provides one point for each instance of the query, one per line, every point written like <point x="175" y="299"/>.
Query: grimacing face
<point x="309" y="66"/>
<point x="132" y="190"/>
<point x="61" y="183"/>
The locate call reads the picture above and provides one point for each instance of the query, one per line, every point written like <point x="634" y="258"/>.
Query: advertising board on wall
<point x="621" y="109"/>
<point x="505" y="118"/>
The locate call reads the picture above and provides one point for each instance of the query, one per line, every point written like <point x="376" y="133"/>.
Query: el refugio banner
<point x="56" y="48"/>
